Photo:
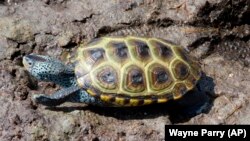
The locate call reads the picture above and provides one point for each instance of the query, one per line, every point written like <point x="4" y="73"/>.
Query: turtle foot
<point x="46" y="100"/>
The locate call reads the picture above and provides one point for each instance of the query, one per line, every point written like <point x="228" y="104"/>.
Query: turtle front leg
<point x="82" y="96"/>
<point x="57" y="98"/>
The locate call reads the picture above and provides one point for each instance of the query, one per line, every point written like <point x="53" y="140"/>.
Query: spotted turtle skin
<point x="134" y="71"/>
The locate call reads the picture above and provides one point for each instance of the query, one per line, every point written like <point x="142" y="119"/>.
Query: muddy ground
<point x="217" y="32"/>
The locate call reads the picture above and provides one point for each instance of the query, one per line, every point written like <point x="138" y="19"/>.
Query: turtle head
<point x="47" y="68"/>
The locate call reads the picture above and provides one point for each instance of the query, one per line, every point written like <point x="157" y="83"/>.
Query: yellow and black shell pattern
<point x="135" y="71"/>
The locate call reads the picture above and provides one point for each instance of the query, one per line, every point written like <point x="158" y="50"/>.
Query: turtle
<point x="117" y="71"/>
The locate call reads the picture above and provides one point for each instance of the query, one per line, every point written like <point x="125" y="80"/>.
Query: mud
<point x="215" y="32"/>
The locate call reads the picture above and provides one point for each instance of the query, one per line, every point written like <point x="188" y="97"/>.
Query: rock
<point x="18" y="30"/>
<point x="64" y="39"/>
<point x="7" y="48"/>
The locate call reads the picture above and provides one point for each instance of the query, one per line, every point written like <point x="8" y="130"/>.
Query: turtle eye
<point x="29" y="63"/>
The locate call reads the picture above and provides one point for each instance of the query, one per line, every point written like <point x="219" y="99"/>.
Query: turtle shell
<point x="133" y="71"/>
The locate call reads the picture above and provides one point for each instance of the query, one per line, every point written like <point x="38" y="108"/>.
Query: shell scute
<point x="106" y="77"/>
<point x="92" y="57"/>
<point x="159" y="76"/>
<point x="139" y="49"/>
<point x="179" y="90"/>
<point x="118" y="51"/>
<point x="134" y="79"/>
<point x="180" y="70"/>
<point x="162" y="51"/>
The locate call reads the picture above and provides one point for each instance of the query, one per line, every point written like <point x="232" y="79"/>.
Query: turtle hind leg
<point x="57" y="98"/>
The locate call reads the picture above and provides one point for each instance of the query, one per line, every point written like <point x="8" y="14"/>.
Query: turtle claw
<point x="42" y="99"/>
<point x="45" y="100"/>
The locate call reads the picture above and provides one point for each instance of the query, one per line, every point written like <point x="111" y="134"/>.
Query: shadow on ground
<point x="193" y="103"/>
